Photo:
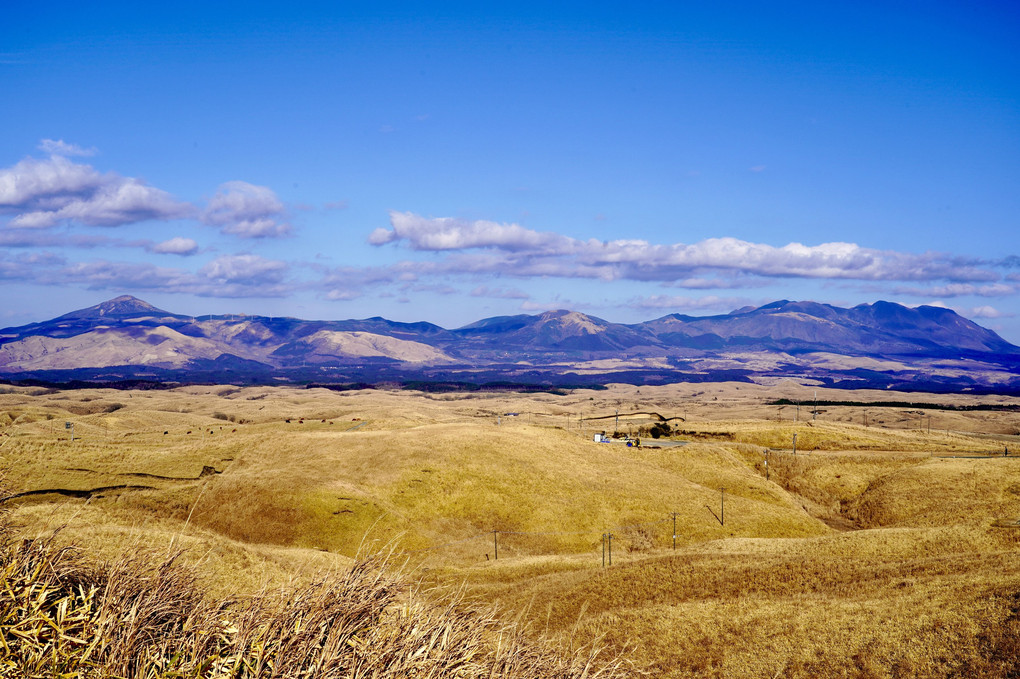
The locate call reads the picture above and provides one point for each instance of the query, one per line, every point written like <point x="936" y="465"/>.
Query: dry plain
<point x="886" y="549"/>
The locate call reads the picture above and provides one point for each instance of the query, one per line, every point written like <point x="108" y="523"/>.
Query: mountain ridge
<point x="877" y="344"/>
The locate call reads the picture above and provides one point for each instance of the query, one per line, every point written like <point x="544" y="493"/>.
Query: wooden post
<point x="722" y="506"/>
<point x="495" y="543"/>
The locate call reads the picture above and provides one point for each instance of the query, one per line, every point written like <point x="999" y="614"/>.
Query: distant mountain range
<point x="870" y="345"/>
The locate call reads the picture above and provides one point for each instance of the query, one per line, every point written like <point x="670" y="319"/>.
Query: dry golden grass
<point x="146" y="618"/>
<point x="923" y="584"/>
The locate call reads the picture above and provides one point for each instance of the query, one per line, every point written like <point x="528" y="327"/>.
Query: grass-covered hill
<point x="880" y="550"/>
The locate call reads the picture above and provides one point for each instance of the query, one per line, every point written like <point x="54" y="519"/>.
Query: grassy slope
<point x="923" y="592"/>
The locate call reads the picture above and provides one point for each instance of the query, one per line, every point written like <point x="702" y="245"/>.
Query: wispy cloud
<point x="681" y="303"/>
<point x="499" y="293"/>
<point x="959" y="290"/>
<point x="246" y="210"/>
<point x="985" y="312"/>
<point x="58" y="147"/>
<point x="175" y="246"/>
<point x="229" y="276"/>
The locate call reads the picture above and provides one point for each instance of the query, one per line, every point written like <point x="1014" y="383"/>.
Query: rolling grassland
<point x="886" y="550"/>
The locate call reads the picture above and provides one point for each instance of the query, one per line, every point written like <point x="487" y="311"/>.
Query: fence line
<point x="495" y="533"/>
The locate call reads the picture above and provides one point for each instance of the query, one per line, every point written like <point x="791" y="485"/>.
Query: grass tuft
<point x="135" y="618"/>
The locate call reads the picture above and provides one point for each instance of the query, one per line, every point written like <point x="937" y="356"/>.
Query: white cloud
<point x="231" y="276"/>
<point x="244" y="269"/>
<point x="499" y="293"/>
<point x="680" y="303"/>
<point x="58" y="147"/>
<point x="960" y="290"/>
<point x="382" y="236"/>
<point x="456" y="234"/>
<point x="246" y="210"/>
<point x="175" y="246"/>
<point x="516" y="250"/>
<point x="549" y="306"/>
<point x="986" y="312"/>
<point x="44" y="193"/>
<point x="342" y="295"/>
<point x="35" y="184"/>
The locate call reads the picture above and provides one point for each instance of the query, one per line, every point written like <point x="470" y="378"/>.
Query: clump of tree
<point x="660" y="429"/>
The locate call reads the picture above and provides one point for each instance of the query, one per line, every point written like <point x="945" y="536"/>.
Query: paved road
<point x="661" y="443"/>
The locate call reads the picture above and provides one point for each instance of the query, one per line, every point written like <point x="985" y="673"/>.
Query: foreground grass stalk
<point x="60" y="617"/>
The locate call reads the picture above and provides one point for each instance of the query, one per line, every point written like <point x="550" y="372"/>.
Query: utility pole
<point x="929" y="425"/>
<point x="766" y="464"/>
<point x="616" y="427"/>
<point x="814" y="412"/>
<point x="674" y="531"/>
<point x="722" y="505"/>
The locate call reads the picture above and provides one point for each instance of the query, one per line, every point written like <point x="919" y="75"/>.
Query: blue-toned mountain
<point x="880" y="344"/>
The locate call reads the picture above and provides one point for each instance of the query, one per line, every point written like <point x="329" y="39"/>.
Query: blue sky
<point x="627" y="160"/>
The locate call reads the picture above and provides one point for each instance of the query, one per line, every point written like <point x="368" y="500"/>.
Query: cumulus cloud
<point x="58" y="147"/>
<point x="516" y="250"/>
<point x="246" y="210"/>
<point x="44" y="193"/>
<point x="456" y="234"/>
<point x="175" y="246"/>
